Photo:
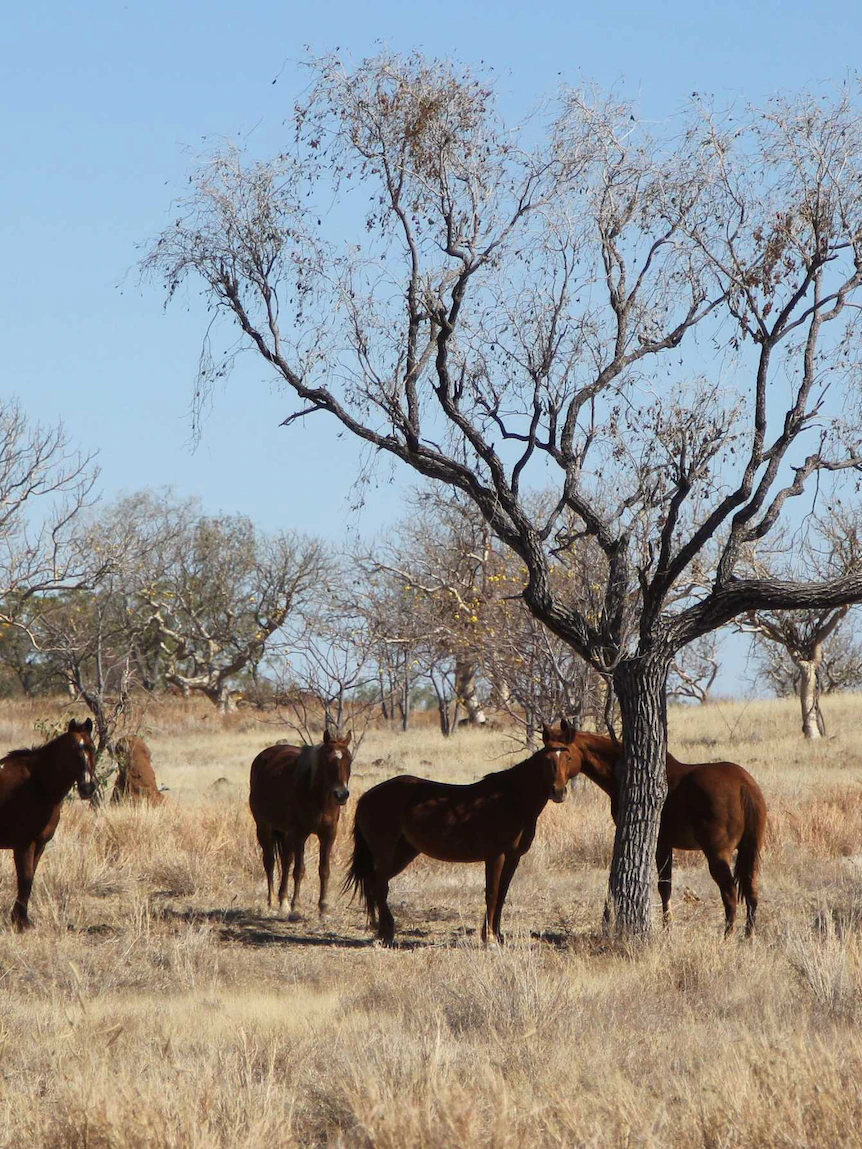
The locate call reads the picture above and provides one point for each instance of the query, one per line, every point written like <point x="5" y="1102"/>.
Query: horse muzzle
<point x="86" y="789"/>
<point x="341" y="794"/>
<point x="558" y="795"/>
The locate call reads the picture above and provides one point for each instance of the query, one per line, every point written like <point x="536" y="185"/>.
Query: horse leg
<point x="751" y="911"/>
<point x="26" y="860"/>
<point x="264" y="837"/>
<point x="402" y="855"/>
<point x="723" y="877"/>
<point x="664" y="863"/>
<point x="298" y="875"/>
<point x="325" y="839"/>
<point x="748" y="887"/>
<point x="509" y="866"/>
<point x="385" y="920"/>
<point x="493" y="873"/>
<point x="285" y="857"/>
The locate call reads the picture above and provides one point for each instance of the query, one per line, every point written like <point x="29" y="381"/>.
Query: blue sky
<point x="106" y="104"/>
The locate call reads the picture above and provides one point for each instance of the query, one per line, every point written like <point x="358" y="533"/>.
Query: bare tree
<point x="86" y="639"/>
<point x="840" y="667"/>
<point x="326" y="662"/>
<point x="215" y="592"/>
<point x="444" y="557"/>
<point x="801" y="638"/>
<point x="695" y="669"/>
<point x="44" y="485"/>
<point x="538" y="676"/>
<point x="387" y="618"/>
<point x="523" y="312"/>
<point x="826" y="545"/>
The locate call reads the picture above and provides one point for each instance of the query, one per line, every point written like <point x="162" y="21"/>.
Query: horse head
<point x="335" y="761"/>
<point x="559" y="743"/>
<point x="81" y="737"/>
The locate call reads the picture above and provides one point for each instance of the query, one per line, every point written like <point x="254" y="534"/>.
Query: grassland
<point x="159" y="1003"/>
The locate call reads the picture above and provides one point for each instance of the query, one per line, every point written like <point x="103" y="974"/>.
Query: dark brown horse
<point x="491" y="821"/>
<point x="33" y="784"/>
<point x="716" y="807"/>
<point x="297" y="791"/>
<point x="136" y="779"/>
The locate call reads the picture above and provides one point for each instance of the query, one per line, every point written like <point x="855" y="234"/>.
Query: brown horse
<point x="716" y="807"/>
<point x="136" y="779"/>
<point x="297" y="791"/>
<point x="491" y="821"/>
<point x="33" y="784"/>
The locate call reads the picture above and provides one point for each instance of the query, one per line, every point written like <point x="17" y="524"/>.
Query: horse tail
<point x="278" y="848"/>
<point x="360" y="876"/>
<point x="748" y="850"/>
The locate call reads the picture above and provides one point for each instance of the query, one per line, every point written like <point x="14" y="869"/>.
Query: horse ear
<point x="565" y="727"/>
<point x="73" y="725"/>
<point x="327" y="737"/>
<point x="88" y="726"/>
<point x="347" y="737"/>
<point x="546" y="733"/>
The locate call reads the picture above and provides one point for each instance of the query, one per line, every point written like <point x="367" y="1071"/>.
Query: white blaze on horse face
<point x="559" y="791"/>
<point x="84" y="750"/>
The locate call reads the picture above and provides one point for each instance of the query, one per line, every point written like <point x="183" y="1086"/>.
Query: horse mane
<point x="306" y="764"/>
<point x="601" y="742"/>
<point x="29" y="751"/>
<point x="514" y="766"/>
<point x="26" y="752"/>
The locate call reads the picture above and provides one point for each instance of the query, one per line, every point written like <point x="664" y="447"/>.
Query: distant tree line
<point x="150" y="594"/>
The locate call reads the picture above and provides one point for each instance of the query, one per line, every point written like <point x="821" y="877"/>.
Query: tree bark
<point x="641" y="689"/>
<point x="465" y="689"/>
<point x="813" y="725"/>
<point x="404" y="700"/>
<point x="224" y="698"/>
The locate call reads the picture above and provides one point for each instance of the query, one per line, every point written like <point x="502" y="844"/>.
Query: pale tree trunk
<point x="465" y="690"/>
<point x="383" y="701"/>
<point x="504" y="693"/>
<point x="641" y="689"/>
<point x="813" y="725"/>
<point x="224" y="698"/>
<point x="404" y="701"/>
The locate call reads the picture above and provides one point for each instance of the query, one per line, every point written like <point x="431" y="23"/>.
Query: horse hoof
<point x="294" y="916"/>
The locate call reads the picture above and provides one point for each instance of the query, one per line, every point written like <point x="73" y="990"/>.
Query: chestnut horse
<point x="716" y="807"/>
<point x="136" y="779"/>
<point x="297" y="791"/>
<point x="491" y="821"/>
<point x="33" y="784"/>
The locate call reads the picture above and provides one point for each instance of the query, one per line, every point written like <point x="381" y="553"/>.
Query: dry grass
<point x="158" y="1003"/>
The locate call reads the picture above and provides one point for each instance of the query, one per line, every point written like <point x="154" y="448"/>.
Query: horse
<point x="136" y="779"/>
<point x="491" y="821"/>
<point x="297" y="791"/>
<point x="33" y="784"/>
<point x="716" y="807"/>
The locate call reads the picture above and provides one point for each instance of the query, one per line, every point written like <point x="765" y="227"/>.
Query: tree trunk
<point x="465" y="689"/>
<point x="442" y="707"/>
<point x="404" y="701"/>
<point x="641" y="689"/>
<point x="383" y="705"/>
<point x="503" y="692"/>
<point x="224" y="698"/>
<point x="813" y="725"/>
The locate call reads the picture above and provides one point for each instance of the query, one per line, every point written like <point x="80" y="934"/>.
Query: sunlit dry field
<point x="159" y="1003"/>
